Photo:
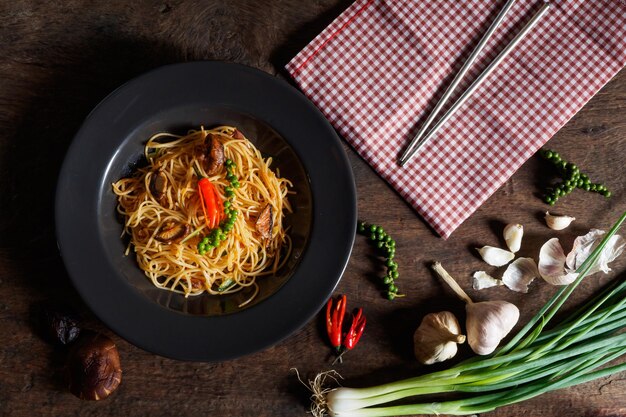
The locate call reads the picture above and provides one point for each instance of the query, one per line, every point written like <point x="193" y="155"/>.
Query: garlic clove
<point x="483" y="280"/>
<point x="584" y="245"/>
<point x="558" y="222"/>
<point x="488" y="322"/>
<point x="552" y="264"/>
<point x="436" y="338"/>
<point x="519" y="274"/>
<point x="495" y="256"/>
<point x="513" y="236"/>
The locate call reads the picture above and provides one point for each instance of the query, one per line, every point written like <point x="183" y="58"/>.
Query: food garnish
<point x="558" y="222"/>
<point x="436" y="338"/>
<point x="572" y="178"/>
<point x="533" y="362"/>
<point x="93" y="368"/>
<point x="386" y="246"/>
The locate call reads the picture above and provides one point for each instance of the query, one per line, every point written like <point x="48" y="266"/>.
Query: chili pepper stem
<point x="339" y="357"/>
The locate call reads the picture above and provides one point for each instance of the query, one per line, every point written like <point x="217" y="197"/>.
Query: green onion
<point x="534" y="362"/>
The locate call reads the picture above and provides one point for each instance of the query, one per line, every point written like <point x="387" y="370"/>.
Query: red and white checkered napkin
<point x="379" y="68"/>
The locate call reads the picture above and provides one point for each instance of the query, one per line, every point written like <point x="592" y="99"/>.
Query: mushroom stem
<point x="443" y="274"/>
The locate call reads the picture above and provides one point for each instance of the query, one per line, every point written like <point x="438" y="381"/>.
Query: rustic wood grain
<point x="58" y="59"/>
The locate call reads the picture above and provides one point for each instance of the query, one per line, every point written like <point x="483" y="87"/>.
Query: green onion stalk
<point x="579" y="349"/>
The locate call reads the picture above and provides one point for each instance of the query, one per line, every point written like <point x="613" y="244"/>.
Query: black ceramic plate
<point x="283" y="124"/>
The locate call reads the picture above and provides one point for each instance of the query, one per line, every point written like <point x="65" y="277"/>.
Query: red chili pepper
<point x="209" y="200"/>
<point x="334" y="320"/>
<point x="356" y="330"/>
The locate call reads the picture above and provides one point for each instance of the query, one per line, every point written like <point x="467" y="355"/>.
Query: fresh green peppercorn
<point x="386" y="245"/>
<point x="607" y="194"/>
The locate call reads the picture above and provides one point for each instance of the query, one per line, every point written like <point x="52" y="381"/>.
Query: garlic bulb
<point x="495" y="256"/>
<point x="436" y="338"/>
<point x="513" y="236"/>
<point x="488" y="322"/>
<point x="558" y="222"/>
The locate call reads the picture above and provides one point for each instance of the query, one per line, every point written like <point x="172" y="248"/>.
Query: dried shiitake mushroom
<point x="93" y="368"/>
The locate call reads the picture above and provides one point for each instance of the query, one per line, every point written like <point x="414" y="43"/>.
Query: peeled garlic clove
<point x="495" y="256"/>
<point x="558" y="222"/>
<point x="520" y="274"/>
<point x="513" y="236"/>
<point x="488" y="322"/>
<point x="436" y="338"/>
<point x="483" y="280"/>
<point x="552" y="264"/>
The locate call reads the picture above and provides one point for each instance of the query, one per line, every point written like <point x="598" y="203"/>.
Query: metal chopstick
<point x="457" y="78"/>
<point x="418" y="142"/>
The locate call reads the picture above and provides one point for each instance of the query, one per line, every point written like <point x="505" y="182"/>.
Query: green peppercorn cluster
<point x="217" y="235"/>
<point x="387" y="248"/>
<point x="572" y="178"/>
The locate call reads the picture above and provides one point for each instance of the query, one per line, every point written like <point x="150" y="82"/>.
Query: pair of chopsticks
<point x="421" y="138"/>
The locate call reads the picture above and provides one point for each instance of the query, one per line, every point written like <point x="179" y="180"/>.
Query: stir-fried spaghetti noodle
<point x="242" y="254"/>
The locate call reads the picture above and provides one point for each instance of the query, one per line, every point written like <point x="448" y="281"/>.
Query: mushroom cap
<point x="93" y="367"/>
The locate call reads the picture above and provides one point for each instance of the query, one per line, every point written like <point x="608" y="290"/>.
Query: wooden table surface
<point x="58" y="59"/>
